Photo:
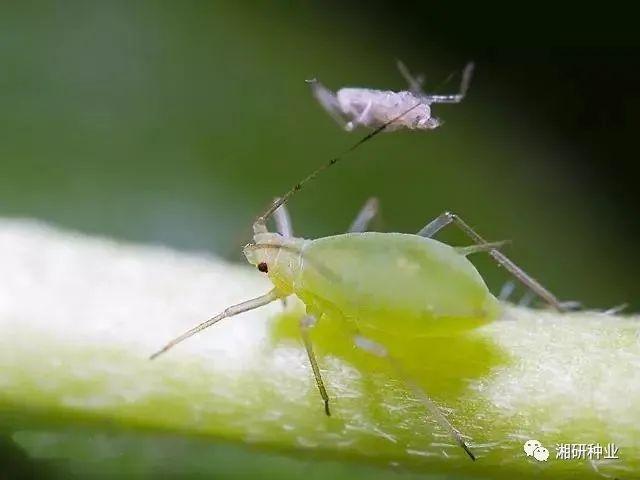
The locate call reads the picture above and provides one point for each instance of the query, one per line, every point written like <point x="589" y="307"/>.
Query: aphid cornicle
<point x="352" y="107"/>
<point x="361" y="279"/>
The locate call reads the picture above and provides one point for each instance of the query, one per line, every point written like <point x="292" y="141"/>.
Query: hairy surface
<point x="80" y="315"/>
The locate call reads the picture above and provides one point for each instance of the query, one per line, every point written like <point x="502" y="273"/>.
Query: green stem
<point x="79" y="317"/>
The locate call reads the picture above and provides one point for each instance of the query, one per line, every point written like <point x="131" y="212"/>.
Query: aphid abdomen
<point x="383" y="106"/>
<point x="396" y="282"/>
<point x="354" y="100"/>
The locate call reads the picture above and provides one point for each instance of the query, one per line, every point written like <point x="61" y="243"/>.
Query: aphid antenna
<point x="259" y="224"/>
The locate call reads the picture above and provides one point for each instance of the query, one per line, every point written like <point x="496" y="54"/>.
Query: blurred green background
<point x="176" y="123"/>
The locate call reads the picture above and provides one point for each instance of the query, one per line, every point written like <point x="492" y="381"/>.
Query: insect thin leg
<point x="328" y="101"/>
<point x="509" y="287"/>
<point x="571" y="305"/>
<point x="415" y="83"/>
<point x="379" y="351"/>
<point x="615" y="310"/>
<point x="435" y="225"/>
<point x="227" y="313"/>
<point x="306" y="323"/>
<point x="281" y="217"/>
<point x="527" y="299"/>
<point x="456" y="98"/>
<point x="446" y="218"/>
<point x="361" y="120"/>
<point x="480" y="247"/>
<point x="507" y="290"/>
<point x="366" y="214"/>
<point x="284" y="227"/>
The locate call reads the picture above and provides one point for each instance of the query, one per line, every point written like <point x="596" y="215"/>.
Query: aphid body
<point x="352" y="107"/>
<point x="373" y="108"/>
<point x="425" y="286"/>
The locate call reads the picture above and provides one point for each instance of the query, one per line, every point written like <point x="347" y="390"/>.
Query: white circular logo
<point x="541" y="454"/>
<point x="530" y="446"/>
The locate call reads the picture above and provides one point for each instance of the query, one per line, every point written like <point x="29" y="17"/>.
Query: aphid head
<point x="264" y="252"/>
<point x="427" y="122"/>
<point x="277" y="256"/>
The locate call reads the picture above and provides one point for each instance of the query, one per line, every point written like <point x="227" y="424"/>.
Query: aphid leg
<point x="307" y="323"/>
<point x="378" y="350"/>
<point x="527" y="299"/>
<point x="227" y="313"/>
<point x="572" y="305"/>
<point x="415" y="83"/>
<point x="361" y="120"/>
<point x="616" y="309"/>
<point x="328" y="101"/>
<point x="507" y="290"/>
<point x="366" y="214"/>
<point x="284" y="227"/>
<point x="446" y="218"/>
<point x="467" y="73"/>
<point x="480" y="247"/>
<point x="283" y="221"/>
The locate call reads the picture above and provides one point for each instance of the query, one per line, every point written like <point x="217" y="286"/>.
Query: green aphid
<point x="362" y="279"/>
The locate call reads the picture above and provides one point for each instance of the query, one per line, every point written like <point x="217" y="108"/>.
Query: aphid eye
<point x="262" y="266"/>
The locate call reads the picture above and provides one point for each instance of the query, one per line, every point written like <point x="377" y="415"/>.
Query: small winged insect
<point x="365" y="278"/>
<point x="353" y="107"/>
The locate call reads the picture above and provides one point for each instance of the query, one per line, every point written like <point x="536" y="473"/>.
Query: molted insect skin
<point x="392" y="282"/>
<point x="385" y="106"/>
